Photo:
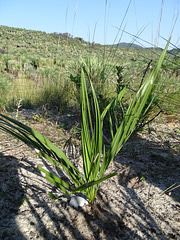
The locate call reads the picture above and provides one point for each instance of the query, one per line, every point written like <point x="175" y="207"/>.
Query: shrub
<point x="97" y="72"/>
<point x="5" y="87"/>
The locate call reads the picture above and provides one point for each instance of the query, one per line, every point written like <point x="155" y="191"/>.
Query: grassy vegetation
<point x="96" y="155"/>
<point x="43" y="70"/>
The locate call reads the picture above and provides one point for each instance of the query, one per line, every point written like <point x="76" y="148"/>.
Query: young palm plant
<point x="96" y="156"/>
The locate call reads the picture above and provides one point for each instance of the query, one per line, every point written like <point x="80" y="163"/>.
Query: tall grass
<point x="36" y="88"/>
<point x="100" y="73"/>
<point x="5" y="87"/>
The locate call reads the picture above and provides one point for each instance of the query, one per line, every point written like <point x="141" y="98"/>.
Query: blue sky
<point x="96" y="20"/>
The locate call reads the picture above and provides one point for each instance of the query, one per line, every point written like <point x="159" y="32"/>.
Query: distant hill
<point x="155" y="48"/>
<point x="174" y="51"/>
<point x="127" y="45"/>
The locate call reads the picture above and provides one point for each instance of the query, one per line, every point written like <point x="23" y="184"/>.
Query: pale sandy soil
<point x="128" y="206"/>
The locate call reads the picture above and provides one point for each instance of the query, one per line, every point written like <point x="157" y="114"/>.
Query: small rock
<point x="78" y="201"/>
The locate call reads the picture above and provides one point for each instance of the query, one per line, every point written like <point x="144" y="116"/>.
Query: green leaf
<point x="36" y="140"/>
<point x="133" y="113"/>
<point x="58" y="180"/>
<point x="54" y="197"/>
<point x="90" y="184"/>
<point x="91" y="124"/>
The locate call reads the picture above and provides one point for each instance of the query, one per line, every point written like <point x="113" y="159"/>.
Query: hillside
<point x="175" y="51"/>
<point x="37" y="68"/>
<point x="127" y="45"/>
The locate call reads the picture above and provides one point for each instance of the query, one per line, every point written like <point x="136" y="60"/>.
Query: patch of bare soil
<point x="128" y="206"/>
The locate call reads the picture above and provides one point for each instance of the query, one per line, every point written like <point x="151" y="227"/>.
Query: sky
<point x="100" y="21"/>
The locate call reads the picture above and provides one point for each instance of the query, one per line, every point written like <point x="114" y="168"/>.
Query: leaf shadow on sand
<point x="11" y="197"/>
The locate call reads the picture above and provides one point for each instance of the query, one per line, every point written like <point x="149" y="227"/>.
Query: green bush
<point x="100" y="74"/>
<point x="5" y="87"/>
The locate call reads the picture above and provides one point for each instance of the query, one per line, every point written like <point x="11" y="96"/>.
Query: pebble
<point x="77" y="201"/>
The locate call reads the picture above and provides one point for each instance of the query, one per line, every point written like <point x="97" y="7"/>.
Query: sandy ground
<point x="128" y="206"/>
